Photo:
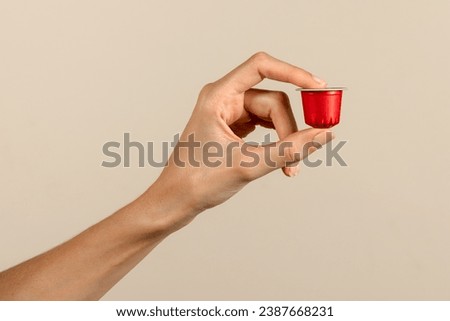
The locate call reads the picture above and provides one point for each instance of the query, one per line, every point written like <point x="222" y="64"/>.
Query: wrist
<point x="165" y="211"/>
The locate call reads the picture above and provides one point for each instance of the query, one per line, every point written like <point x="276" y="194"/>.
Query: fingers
<point x="262" y="65"/>
<point x="273" y="106"/>
<point x="293" y="148"/>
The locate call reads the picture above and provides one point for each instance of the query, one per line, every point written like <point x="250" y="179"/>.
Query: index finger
<point x="262" y="65"/>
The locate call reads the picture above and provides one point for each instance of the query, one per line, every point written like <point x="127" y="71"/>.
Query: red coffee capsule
<point x="322" y="106"/>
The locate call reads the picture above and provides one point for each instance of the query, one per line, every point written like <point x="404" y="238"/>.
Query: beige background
<point x="75" y="74"/>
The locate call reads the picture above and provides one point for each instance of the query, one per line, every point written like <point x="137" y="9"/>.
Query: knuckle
<point x="291" y="154"/>
<point x="207" y="97"/>
<point x="206" y="90"/>
<point x="259" y="57"/>
<point x="282" y="98"/>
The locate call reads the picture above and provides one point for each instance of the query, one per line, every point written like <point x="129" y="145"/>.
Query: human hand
<point x="212" y="162"/>
<point x="87" y="266"/>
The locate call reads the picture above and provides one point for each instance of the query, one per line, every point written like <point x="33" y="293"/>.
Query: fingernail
<point x="322" y="138"/>
<point x="296" y="170"/>
<point x="319" y="81"/>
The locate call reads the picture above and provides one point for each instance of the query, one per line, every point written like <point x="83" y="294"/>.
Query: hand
<point x="226" y="111"/>
<point x="88" y="265"/>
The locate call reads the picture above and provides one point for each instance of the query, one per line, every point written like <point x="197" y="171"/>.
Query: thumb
<point x="293" y="148"/>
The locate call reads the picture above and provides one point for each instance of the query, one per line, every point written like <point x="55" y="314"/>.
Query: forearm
<point x="87" y="266"/>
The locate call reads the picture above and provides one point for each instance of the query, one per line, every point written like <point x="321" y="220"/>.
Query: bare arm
<point x="87" y="266"/>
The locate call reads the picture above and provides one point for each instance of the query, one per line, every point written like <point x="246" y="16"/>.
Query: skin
<point x="87" y="266"/>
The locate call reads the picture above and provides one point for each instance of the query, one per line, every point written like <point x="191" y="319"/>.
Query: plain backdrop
<point x="76" y="74"/>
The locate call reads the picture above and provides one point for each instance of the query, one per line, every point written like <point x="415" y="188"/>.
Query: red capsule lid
<point x="323" y="89"/>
